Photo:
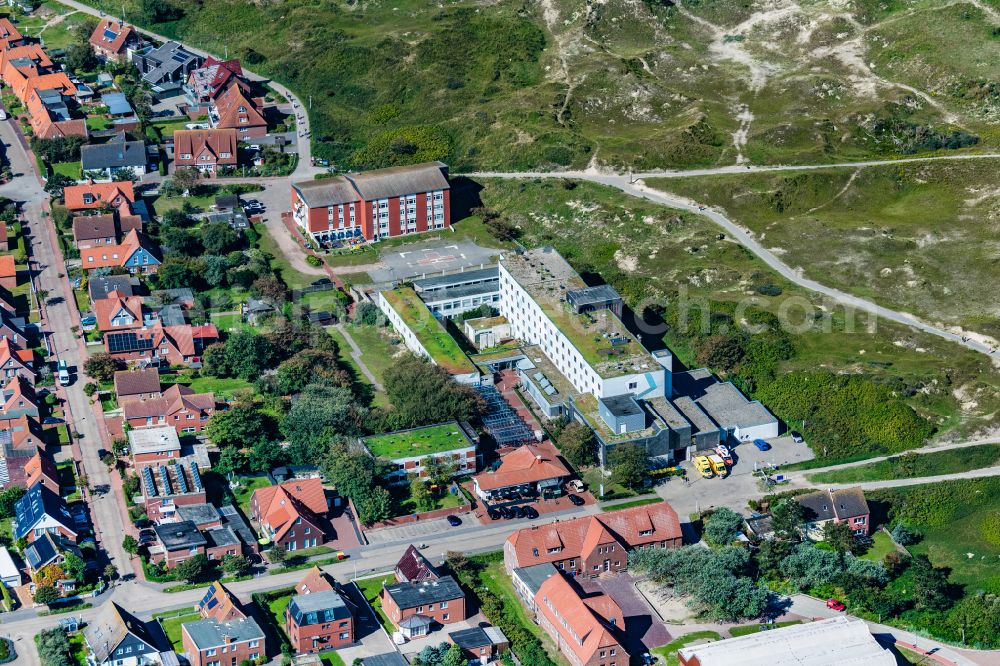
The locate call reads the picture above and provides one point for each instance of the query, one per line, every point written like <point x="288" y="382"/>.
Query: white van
<point x="63" y="374"/>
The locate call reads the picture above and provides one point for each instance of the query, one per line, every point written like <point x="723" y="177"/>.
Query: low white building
<point x="10" y="575"/>
<point x="409" y="450"/>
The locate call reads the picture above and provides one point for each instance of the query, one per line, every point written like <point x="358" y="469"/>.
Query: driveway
<point x="370" y="638"/>
<point x="643" y="628"/>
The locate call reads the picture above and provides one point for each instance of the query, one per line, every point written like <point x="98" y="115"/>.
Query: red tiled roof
<point x="113" y="194"/>
<point x="175" y="399"/>
<point x="316" y="580"/>
<point x="41" y="466"/>
<point x="8" y="32"/>
<point x="278" y="506"/>
<point x="235" y="110"/>
<point x="579" y="536"/>
<point x="225" y="607"/>
<point x="580" y="623"/>
<point x="8" y="268"/>
<point x="527" y="464"/>
<point x="107" y="308"/>
<point x="17" y="392"/>
<point x="100" y="37"/>
<point x="25" y="432"/>
<point x="218" y="146"/>
<point x="10" y="351"/>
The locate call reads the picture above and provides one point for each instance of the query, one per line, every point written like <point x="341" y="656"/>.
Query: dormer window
<point x="645" y="532"/>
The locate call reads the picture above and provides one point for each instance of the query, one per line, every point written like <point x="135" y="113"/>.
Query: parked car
<point x="762" y="445"/>
<point x="147" y="536"/>
<point x="577" y="485"/>
<point x="835" y="604"/>
<point x="89" y="321"/>
<point x="253" y="207"/>
<point x="530" y="513"/>
<point x="506" y="512"/>
<point x="517" y="511"/>
<point x="143" y="523"/>
<point x="796" y="437"/>
<point x="576" y="500"/>
<point x="320" y="282"/>
<point x="704" y="467"/>
<point x="454" y="521"/>
<point x="493" y="514"/>
<point x="52" y="420"/>
<point x="724" y="453"/>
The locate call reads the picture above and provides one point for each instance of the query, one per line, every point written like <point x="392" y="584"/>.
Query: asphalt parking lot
<point x="414" y="531"/>
<point x="420" y="259"/>
<point x="784" y="451"/>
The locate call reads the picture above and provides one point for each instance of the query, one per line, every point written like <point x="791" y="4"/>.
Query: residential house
<point x="43" y="551"/>
<point x="16" y="362"/>
<point x="11" y="327"/>
<point x="8" y="272"/>
<point x="50" y="117"/>
<point x="9" y="35"/>
<point x="112" y="39"/>
<point x="175" y="482"/>
<point x="292" y="514"/>
<point x="234" y="110"/>
<point x="206" y="150"/>
<point x="24" y="467"/>
<point x="41" y="469"/>
<point x="103" y="230"/>
<point x="23" y="85"/>
<point x="10" y="575"/>
<point x="119" y="154"/>
<point x="154" y="446"/>
<point x="374" y="204"/>
<point x="214" y="77"/>
<point x="211" y="642"/>
<point x="24" y="433"/>
<point x="177" y="542"/>
<point x="482" y="644"/>
<point x="847" y="505"/>
<point x="841" y="640"/>
<point x="24" y="60"/>
<point x="316" y="580"/>
<point x="526" y="468"/>
<point x="591" y="545"/>
<point x="220" y="604"/>
<point x="90" y="195"/>
<point x="188" y="412"/>
<point x="118" y="312"/>
<point x="41" y="511"/>
<point x="159" y="344"/>
<point x="586" y="629"/>
<point x="118" y="638"/>
<point x="165" y="68"/>
<point x="137" y="384"/>
<point x="417" y="607"/>
<point x="98" y="287"/>
<point x="319" y="620"/>
<point x="4" y="238"/>
<point x="137" y="253"/>
<point x="413" y="567"/>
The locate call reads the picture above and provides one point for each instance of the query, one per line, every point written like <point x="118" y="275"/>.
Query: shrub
<point x="903" y="535"/>
<point x="989" y="528"/>
<point x="313" y="260"/>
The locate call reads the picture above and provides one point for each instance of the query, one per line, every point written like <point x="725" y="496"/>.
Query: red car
<point x="835" y="605"/>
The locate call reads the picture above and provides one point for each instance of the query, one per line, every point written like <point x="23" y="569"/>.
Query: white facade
<point x="529" y="323"/>
<point x="9" y="574"/>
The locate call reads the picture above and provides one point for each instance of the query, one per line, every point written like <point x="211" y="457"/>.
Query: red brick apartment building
<point x="319" y="617"/>
<point x="292" y="515"/>
<point x="591" y="545"/>
<point x="374" y="204"/>
<point x="416" y="607"/>
<point x="584" y="628"/>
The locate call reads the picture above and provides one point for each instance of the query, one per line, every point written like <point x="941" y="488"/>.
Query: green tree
<point x="176" y="272"/>
<point x="265" y="456"/>
<point x="838" y="536"/>
<point x="46" y="594"/>
<point x="787" y="516"/>
<point x="54" y="648"/>
<point x="194" y="569"/>
<point x="423" y="393"/>
<point x="244" y="425"/>
<point x="440" y="471"/>
<point x="110" y="571"/>
<point x="320" y="414"/>
<point x="421" y="494"/>
<point x="931" y="590"/>
<point x="236" y="565"/>
<point x="102" y="366"/>
<point x="277" y="554"/>
<point x="374" y="506"/>
<point x="231" y="460"/>
<point x="723" y="526"/>
<point x="454" y="657"/>
<point x="186" y="178"/>
<point x="310" y="366"/>
<point x="249" y="354"/>
<point x="219" y="238"/>
<point x="8" y="500"/>
<point x="629" y="465"/>
<point x="74" y="566"/>
<point x="577" y="444"/>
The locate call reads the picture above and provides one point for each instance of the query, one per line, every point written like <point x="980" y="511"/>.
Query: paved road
<point x="898" y="483"/>
<point x="304" y="170"/>
<point x="356" y="355"/>
<point x="64" y="344"/>
<point x="930" y="448"/>
<point x="639" y="189"/>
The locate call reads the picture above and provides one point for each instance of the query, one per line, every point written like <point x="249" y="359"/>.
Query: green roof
<point x="443" y="349"/>
<point x="419" y="441"/>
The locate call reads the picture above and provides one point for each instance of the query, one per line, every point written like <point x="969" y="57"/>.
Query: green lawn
<point x="7" y="530"/>
<point x="68" y="169"/>
<point x="881" y="546"/>
<point x="78" y="648"/>
<point x="168" y="127"/>
<point x="331" y="658"/>
<point x="418" y="442"/>
<point x="248" y="484"/>
<point x="293" y="278"/>
<point x="629" y="505"/>
<point x="404" y="504"/>
<point x="355" y="278"/>
<point x="275" y="611"/>
<point x="958" y="522"/>
<point x="172" y="628"/>
<point x="443" y="348"/>
<point x="371" y="588"/>
<point x="161" y="204"/>
<point x="359" y="255"/>
<point x="221" y="386"/>
<point x="377" y="350"/>
<point x="97" y="123"/>
<point x="496" y="580"/>
<point x="230" y="322"/>
<point x="748" y="629"/>
<point x="669" y="651"/>
<point x="330" y="300"/>
<point x="909" y="466"/>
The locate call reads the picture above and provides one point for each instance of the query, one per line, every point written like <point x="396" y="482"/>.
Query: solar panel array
<point x="110" y="35"/>
<point x="502" y="422"/>
<point x="147" y="474"/>
<point x="165" y="481"/>
<point x="181" y="481"/>
<point x="196" y="477"/>
<point x="127" y="342"/>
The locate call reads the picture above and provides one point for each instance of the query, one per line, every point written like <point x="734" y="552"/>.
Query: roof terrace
<point x="418" y="442"/>
<point x="443" y="348"/>
<point x="599" y="335"/>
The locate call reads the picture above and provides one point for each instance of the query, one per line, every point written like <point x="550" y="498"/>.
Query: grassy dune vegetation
<point x="512" y="84"/>
<point x="858" y="391"/>
<point x="921" y="238"/>
<point x="911" y="466"/>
